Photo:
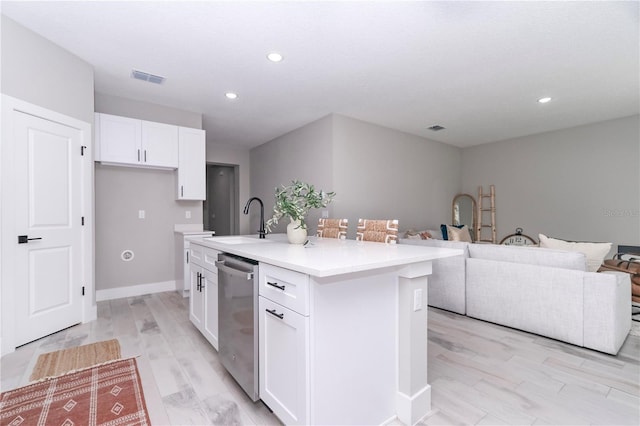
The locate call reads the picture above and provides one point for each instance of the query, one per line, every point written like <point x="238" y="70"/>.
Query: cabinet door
<point x="284" y="362"/>
<point x="196" y="299"/>
<point x="119" y="139"/>
<point x="211" y="307"/>
<point x="159" y="145"/>
<point x="191" y="164"/>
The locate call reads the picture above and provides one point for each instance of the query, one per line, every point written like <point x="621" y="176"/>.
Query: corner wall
<point x="376" y="172"/>
<point x="578" y="184"/>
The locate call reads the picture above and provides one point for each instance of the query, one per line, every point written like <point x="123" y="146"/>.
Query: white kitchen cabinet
<point x="203" y="302"/>
<point x="191" y="164"/>
<point x="284" y="343"/>
<point x="284" y="361"/>
<point x="183" y="258"/>
<point x="132" y="142"/>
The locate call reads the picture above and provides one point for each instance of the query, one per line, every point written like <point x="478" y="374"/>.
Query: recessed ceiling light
<point x="544" y="100"/>
<point x="231" y="95"/>
<point x="274" y="57"/>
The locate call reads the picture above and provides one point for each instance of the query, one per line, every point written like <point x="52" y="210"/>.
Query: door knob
<point x="23" y="239"/>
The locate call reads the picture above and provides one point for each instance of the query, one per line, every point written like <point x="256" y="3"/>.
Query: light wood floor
<point x="480" y="373"/>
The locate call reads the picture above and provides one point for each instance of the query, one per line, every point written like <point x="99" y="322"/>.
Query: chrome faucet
<point x="261" y="231"/>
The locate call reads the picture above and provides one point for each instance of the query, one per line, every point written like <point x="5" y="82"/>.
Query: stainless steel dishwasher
<point x="238" y="320"/>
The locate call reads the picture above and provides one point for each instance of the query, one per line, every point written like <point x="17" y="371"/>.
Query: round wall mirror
<point x="463" y="212"/>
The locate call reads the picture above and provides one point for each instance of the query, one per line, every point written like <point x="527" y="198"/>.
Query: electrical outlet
<point x="325" y="214"/>
<point x="140" y="214"/>
<point x="417" y="299"/>
<point x="187" y="214"/>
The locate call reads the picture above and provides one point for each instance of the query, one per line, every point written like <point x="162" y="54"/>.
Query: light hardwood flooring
<point x="480" y="373"/>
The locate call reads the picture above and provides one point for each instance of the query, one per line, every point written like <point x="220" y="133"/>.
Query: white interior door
<point x="48" y="184"/>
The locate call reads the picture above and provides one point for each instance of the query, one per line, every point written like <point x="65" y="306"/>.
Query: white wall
<point x="579" y="184"/>
<point x="120" y="192"/>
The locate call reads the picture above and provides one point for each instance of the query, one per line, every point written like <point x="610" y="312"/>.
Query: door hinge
<point x="82" y="148"/>
<point x="82" y="220"/>
<point x="83" y="290"/>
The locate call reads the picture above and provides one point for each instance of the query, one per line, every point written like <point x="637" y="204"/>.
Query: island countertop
<point x="325" y="257"/>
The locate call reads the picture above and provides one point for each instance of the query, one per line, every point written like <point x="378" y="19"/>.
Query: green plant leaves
<point x="296" y="200"/>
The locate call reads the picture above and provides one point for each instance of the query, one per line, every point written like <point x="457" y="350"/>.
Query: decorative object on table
<point x="332" y="228"/>
<point x="105" y="394"/>
<point x="481" y="220"/>
<point x="518" y="239"/>
<point x="381" y="231"/>
<point x="52" y="364"/>
<point x="295" y="201"/>
<point x="595" y="252"/>
<point x="463" y="211"/>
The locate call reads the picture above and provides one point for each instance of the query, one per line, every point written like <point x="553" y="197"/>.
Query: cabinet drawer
<point x="204" y="256"/>
<point x="286" y="287"/>
<point x="209" y="259"/>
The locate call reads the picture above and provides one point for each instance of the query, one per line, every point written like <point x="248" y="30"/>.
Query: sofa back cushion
<point x="529" y="255"/>
<point x="461" y="245"/>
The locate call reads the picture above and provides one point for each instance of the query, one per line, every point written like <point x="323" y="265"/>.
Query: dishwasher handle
<point x="232" y="271"/>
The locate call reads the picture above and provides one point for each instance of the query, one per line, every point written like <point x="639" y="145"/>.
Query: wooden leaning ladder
<point x="482" y="215"/>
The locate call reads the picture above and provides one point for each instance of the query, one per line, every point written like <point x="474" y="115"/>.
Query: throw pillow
<point x="595" y="252"/>
<point x="458" y="234"/>
<point x="443" y="229"/>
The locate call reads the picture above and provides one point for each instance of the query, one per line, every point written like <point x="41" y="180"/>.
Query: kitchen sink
<point x="238" y="239"/>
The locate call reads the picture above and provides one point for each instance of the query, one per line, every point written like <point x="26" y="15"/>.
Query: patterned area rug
<point x="106" y="394"/>
<point x="54" y="364"/>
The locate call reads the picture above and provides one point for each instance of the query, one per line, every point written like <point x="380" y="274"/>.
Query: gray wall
<point x="120" y="192"/>
<point x="579" y="184"/>
<point x="304" y="154"/>
<point x="38" y="71"/>
<point x="375" y="171"/>
<point x="381" y="173"/>
<point x="234" y="156"/>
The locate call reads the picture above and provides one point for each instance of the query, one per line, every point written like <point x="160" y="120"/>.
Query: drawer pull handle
<point x="281" y="287"/>
<point x="273" y="312"/>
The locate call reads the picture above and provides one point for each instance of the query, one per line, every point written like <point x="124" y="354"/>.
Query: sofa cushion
<point x="529" y="255"/>
<point x="541" y="300"/>
<point x="595" y="252"/>
<point x="460" y="245"/>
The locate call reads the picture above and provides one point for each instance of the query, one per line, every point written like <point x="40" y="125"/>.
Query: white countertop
<point x="324" y="257"/>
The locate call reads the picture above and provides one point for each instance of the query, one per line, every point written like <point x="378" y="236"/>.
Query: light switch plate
<point x="140" y="214"/>
<point x="187" y="214"/>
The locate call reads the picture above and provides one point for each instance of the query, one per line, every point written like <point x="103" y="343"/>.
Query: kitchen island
<point x="342" y="327"/>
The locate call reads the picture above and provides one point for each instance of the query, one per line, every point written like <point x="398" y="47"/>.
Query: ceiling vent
<point x="145" y="76"/>
<point x="436" y="128"/>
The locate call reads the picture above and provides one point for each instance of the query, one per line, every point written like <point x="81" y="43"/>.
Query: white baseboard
<point x="134" y="290"/>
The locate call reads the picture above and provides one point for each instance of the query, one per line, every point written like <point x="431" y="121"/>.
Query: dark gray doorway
<point x="220" y="211"/>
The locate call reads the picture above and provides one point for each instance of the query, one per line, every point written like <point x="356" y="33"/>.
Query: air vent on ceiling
<point x="145" y="76"/>
<point x="436" y="128"/>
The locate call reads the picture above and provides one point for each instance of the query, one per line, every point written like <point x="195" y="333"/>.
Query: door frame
<point x="8" y="223"/>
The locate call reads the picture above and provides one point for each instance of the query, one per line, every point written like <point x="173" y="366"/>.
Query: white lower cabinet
<point x="203" y="302"/>
<point x="284" y="343"/>
<point x="284" y="362"/>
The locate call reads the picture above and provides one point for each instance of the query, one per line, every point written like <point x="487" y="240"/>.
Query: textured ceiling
<point x="475" y="68"/>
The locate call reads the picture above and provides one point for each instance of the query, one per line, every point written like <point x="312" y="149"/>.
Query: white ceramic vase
<point x="296" y="233"/>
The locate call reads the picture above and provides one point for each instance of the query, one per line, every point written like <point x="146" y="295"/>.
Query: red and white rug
<point x="109" y="394"/>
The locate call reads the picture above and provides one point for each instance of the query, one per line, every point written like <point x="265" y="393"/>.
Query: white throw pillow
<point x="458" y="234"/>
<point x="595" y="252"/>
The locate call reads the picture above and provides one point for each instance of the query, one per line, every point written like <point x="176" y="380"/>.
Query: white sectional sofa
<point x="538" y="290"/>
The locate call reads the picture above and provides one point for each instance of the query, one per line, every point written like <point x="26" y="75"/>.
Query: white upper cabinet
<point x="191" y="165"/>
<point x="133" y="142"/>
<point x="159" y="145"/>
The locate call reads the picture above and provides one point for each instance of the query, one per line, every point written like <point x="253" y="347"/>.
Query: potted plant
<point x="295" y="201"/>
